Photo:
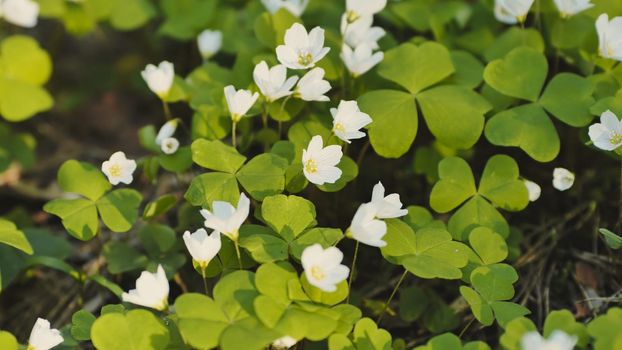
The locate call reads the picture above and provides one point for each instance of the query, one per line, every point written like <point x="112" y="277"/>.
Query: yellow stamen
<point x="311" y="166"/>
<point x="317" y="273"/>
<point x="352" y="16"/>
<point x="305" y="59"/>
<point x="115" y="170"/>
<point x="339" y="127"/>
<point x="615" y="138"/>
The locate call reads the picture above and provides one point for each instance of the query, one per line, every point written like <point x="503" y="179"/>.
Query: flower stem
<point x="386" y="304"/>
<point x="620" y="203"/>
<point x="233" y="137"/>
<point x="356" y="253"/>
<point x="237" y="252"/>
<point x="167" y="110"/>
<point x="204" y="280"/>
<point x="264" y="115"/>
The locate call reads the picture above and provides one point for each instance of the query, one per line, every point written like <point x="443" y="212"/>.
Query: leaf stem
<point x="386" y="304"/>
<point x="356" y="253"/>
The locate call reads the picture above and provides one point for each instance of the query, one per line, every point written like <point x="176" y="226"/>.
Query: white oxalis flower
<point x="202" y="247"/>
<point x="607" y="135"/>
<point x="273" y="82"/>
<point x="43" y="337"/>
<point x="386" y="207"/>
<point x="323" y="267"/>
<point x="160" y="78"/>
<point x="533" y="189"/>
<point x="119" y="169"/>
<point x="239" y="102"/>
<point x="512" y="11"/>
<point x="558" y="340"/>
<point x="168" y="144"/>
<point x="312" y="86"/>
<point x="360" y="60"/>
<point x="355" y="9"/>
<point x="302" y="50"/>
<point x="348" y="120"/>
<point x="319" y="164"/>
<point x="366" y="228"/>
<point x="563" y="179"/>
<point x="295" y="7"/>
<point x="23" y="13"/>
<point x="226" y="218"/>
<point x="609" y="34"/>
<point x="283" y="343"/>
<point x="151" y="290"/>
<point x="209" y="42"/>
<point x="361" y="32"/>
<point x="569" y="8"/>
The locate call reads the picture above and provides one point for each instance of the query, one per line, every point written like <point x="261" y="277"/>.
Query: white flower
<point x="609" y="32"/>
<point x="387" y="207"/>
<point x="167" y="130"/>
<point x="151" y="290"/>
<point x="361" y="31"/>
<point x="22" y="13"/>
<point x="563" y="179"/>
<point x="283" y="343"/>
<point x="348" y="119"/>
<point x="361" y="60"/>
<point x="512" y="11"/>
<point x="558" y="340"/>
<point x="312" y="86"/>
<point x="319" y="164"/>
<point x="227" y="219"/>
<point x="323" y="267"/>
<point x="356" y="9"/>
<point x="43" y="337"/>
<point x="533" y="189"/>
<point x="366" y="228"/>
<point x="295" y="7"/>
<point x="209" y="42"/>
<point x="202" y="247"/>
<point x="302" y="50"/>
<point x="169" y="145"/>
<point x="239" y="102"/>
<point x="569" y="8"/>
<point x="607" y="135"/>
<point x="119" y="169"/>
<point x="273" y="82"/>
<point x="160" y="78"/>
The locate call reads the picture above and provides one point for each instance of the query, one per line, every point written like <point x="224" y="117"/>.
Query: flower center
<point x="339" y="127"/>
<point x="352" y="16"/>
<point x="305" y="58"/>
<point x="115" y="170"/>
<point x="311" y="166"/>
<point x="615" y="138"/>
<point x="317" y="273"/>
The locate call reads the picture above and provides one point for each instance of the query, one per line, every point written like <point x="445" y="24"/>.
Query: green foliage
<point x="8" y="341"/>
<point x="24" y="68"/>
<point x="499" y="185"/>
<point x="11" y="236"/>
<point x="134" y="330"/>
<point x="118" y="209"/>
